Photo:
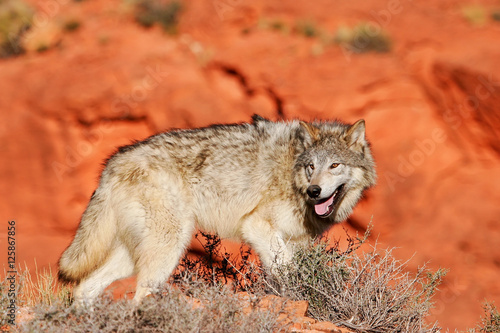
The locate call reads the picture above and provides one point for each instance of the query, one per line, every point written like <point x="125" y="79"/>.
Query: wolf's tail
<point x="92" y="243"/>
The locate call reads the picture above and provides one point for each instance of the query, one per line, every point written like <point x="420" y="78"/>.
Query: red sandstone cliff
<point x="431" y="106"/>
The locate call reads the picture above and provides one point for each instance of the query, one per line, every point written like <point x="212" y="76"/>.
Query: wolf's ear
<point x="355" y="136"/>
<point x="312" y="132"/>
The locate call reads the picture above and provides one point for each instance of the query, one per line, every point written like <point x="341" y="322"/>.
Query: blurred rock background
<point x="79" y="78"/>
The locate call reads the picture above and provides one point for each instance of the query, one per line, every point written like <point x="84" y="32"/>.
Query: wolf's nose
<point x="313" y="191"/>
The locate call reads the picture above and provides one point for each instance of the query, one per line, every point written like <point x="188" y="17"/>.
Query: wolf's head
<point x="335" y="167"/>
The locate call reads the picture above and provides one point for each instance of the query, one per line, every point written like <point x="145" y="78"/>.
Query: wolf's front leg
<point x="273" y="249"/>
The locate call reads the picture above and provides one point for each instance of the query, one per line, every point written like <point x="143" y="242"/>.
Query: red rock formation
<point x="431" y="107"/>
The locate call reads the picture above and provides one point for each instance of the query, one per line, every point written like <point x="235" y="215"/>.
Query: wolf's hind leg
<point x="117" y="266"/>
<point x="160" y="251"/>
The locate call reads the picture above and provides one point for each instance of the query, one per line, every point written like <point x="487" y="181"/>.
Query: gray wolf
<point x="273" y="185"/>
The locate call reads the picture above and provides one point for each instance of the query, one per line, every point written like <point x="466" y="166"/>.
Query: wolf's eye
<point x="311" y="166"/>
<point x="334" y="165"/>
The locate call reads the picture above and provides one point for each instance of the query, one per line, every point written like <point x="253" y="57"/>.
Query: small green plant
<point x="72" y="25"/>
<point x="364" y="37"/>
<point x="272" y="24"/>
<point x="43" y="47"/>
<point x="164" y="13"/>
<point x="278" y="25"/>
<point x="15" y="19"/>
<point x="306" y="28"/>
<point x="475" y="14"/>
<point x="495" y="15"/>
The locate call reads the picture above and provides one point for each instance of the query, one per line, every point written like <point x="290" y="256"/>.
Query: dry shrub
<point x="367" y="292"/>
<point x="217" y="266"/>
<point x="196" y="307"/>
<point x="490" y="322"/>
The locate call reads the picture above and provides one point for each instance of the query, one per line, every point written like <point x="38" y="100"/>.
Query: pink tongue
<point x="322" y="208"/>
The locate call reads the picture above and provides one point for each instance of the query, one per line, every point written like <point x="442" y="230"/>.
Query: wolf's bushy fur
<point x="271" y="184"/>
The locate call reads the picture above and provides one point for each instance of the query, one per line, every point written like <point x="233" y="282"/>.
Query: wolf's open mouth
<point x="325" y="207"/>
